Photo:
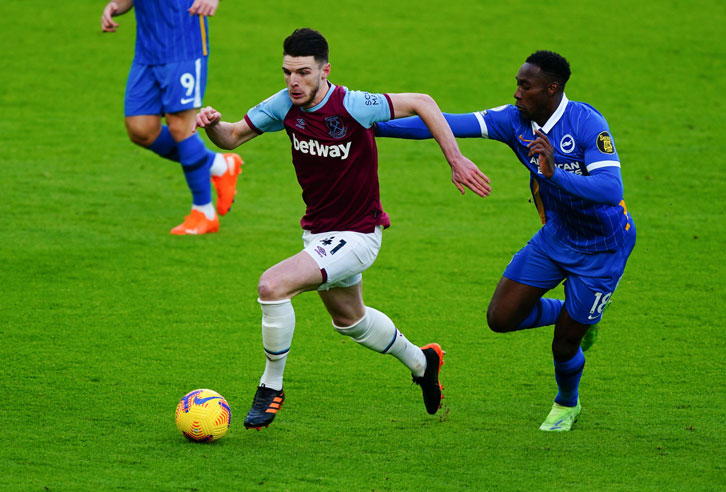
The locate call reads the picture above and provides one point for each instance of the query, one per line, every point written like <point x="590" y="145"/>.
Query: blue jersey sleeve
<point x="462" y="125"/>
<point x="366" y="107"/>
<point x="598" y="146"/>
<point x="603" y="185"/>
<point x="499" y="123"/>
<point x="269" y="115"/>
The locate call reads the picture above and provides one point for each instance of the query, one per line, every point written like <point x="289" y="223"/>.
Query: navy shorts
<point x="590" y="278"/>
<point x="168" y="88"/>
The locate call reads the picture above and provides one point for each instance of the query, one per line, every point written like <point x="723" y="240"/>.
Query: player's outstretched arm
<point x="112" y="9"/>
<point x="464" y="173"/>
<point x="225" y="135"/>
<point x="204" y="7"/>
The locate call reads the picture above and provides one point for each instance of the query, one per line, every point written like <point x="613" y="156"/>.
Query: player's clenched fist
<point x="208" y="117"/>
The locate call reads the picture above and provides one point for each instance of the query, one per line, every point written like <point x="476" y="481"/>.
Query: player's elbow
<point x="418" y="104"/>
<point x="424" y="101"/>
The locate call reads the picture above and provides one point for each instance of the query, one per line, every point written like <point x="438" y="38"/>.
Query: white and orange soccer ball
<point x="203" y="415"/>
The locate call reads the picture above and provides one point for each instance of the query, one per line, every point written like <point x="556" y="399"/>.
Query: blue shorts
<point x="590" y="279"/>
<point x="169" y="88"/>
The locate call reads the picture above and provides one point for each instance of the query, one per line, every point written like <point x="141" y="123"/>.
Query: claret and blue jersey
<point x="588" y="214"/>
<point x="334" y="153"/>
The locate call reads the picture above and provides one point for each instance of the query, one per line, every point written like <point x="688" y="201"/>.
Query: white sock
<point x="377" y="332"/>
<point x="207" y="210"/>
<point x="219" y="165"/>
<point x="278" y="326"/>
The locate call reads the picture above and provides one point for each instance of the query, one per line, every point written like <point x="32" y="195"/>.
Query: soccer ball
<point x="203" y="415"/>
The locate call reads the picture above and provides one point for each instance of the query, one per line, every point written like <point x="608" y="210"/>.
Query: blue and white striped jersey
<point x="583" y="145"/>
<point x="167" y="33"/>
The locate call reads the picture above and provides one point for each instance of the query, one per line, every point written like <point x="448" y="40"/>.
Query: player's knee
<point x="498" y="323"/>
<point x="271" y="289"/>
<point x="142" y="140"/>
<point x="266" y="289"/>
<point x="341" y="322"/>
<point x="140" y="137"/>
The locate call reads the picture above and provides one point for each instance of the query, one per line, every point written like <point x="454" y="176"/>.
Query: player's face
<point x="306" y="79"/>
<point x="534" y="94"/>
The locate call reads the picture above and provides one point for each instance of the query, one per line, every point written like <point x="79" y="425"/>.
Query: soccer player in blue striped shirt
<point x="587" y="233"/>
<point x="168" y="77"/>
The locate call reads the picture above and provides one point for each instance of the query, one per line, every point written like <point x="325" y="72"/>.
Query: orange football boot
<point x="196" y="223"/>
<point x="226" y="184"/>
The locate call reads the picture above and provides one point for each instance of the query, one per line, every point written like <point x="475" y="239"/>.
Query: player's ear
<point x="553" y="88"/>
<point x="326" y="70"/>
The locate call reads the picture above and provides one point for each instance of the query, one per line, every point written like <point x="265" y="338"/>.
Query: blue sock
<point x="196" y="161"/>
<point x="545" y="313"/>
<point x="567" y="375"/>
<point x="165" y="146"/>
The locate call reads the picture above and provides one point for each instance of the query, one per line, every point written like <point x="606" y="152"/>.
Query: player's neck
<point x="552" y="106"/>
<point x="319" y="95"/>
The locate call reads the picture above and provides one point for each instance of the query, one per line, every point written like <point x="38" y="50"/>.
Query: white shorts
<point x="342" y="255"/>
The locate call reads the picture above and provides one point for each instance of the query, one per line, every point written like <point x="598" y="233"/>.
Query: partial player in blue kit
<point x="587" y="233"/>
<point x="168" y="77"/>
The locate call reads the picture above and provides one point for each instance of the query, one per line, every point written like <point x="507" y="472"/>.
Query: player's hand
<point x="546" y="158"/>
<point x="204" y="7"/>
<point x="466" y="173"/>
<point x="207" y="117"/>
<point x="107" y="23"/>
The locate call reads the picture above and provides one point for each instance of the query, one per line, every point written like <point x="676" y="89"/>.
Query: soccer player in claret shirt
<point x="168" y="77"/>
<point x="588" y="233"/>
<point x="336" y="161"/>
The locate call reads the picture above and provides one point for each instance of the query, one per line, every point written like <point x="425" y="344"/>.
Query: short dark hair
<point x="552" y="64"/>
<point x="306" y="42"/>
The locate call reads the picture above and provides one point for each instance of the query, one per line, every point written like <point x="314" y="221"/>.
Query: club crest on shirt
<point x="605" y="143"/>
<point x="567" y="144"/>
<point x="336" y="128"/>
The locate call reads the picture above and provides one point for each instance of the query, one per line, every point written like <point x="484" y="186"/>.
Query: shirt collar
<point x="552" y="121"/>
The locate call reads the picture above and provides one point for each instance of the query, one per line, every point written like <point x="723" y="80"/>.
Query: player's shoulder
<point x="591" y="128"/>
<point x="504" y="120"/>
<point x="504" y="113"/>
<point x="583" y="111"/>
<point x="367" y="107"/>
<point x="504" y="109"/>
<point x="584" y="120"/>
<point x="277" y="104"/>
<point x="358" y="96"/>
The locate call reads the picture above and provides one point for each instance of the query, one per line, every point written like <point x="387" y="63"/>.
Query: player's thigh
<point x="587" y="297"/>
<point x="182" y="84"/>
<point x="591" y="282"/>
<point x="529" y="274"/>
<point x="533" y="266"/>
<point x="290" y="277"/>
<point x="343" y="255"/>
<point x="143" y="92"/>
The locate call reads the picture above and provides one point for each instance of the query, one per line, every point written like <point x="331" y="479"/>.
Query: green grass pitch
<point x="107" y="320"/>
